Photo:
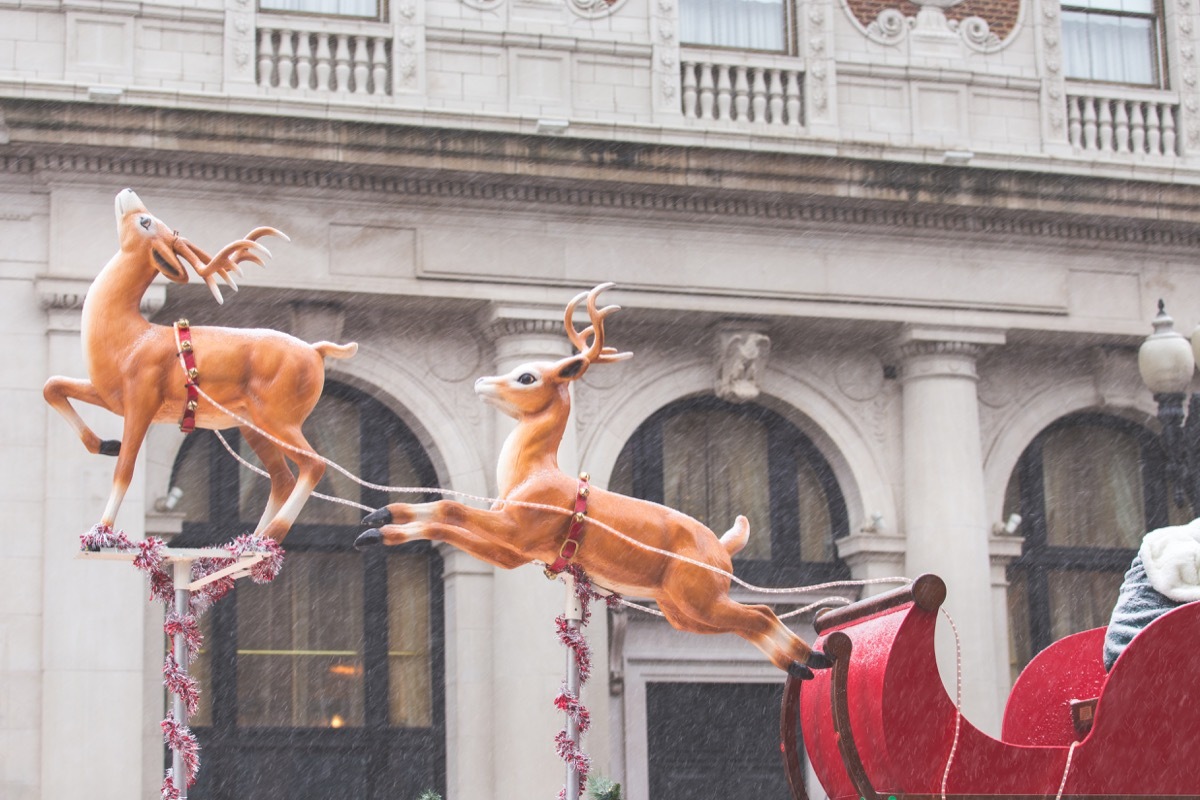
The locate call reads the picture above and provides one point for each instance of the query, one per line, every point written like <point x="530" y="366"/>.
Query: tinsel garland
<point x="575" y="641"/>
<point x="150" y="558"/>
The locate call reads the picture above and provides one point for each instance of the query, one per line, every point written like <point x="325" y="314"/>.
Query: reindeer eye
<point x="144" y="222"/>
<point x="526" y="378"/>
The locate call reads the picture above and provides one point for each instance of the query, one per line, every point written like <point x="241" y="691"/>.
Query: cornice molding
<point x="615" y="177"/>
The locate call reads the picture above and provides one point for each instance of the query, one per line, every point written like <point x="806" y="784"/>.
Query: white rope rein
<point x="522" y="504"/>
<point x="957" y="699"/>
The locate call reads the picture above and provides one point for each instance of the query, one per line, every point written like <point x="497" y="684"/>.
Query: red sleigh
<point x="880" y="724"/>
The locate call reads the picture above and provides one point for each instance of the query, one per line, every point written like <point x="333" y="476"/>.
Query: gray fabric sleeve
<point x="1138" y="604"/>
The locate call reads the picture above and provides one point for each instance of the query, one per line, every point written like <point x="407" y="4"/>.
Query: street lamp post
<point x="1167" y="361"/>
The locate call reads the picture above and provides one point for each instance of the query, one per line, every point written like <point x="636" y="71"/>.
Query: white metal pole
<point x="574" y="615"/>
<point x="183" y="576"/>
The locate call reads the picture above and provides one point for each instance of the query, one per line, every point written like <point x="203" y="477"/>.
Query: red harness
<point x="570" y="545"/>
<point x="183" y="339"/>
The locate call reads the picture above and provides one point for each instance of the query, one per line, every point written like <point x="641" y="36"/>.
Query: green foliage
<point x="601" y="788"/>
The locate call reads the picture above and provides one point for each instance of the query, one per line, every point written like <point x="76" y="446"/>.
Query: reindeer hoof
<point x="110" y="447"/>
<point x="380" y="516"/>
<point x="369" y="538"/>
<point x="818" y="660"/>
<point x="799" y="671"/>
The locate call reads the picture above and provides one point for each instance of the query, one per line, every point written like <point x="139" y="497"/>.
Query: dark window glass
<point x="327" y="681"/>
<point x="1088" y="488"/>
<point x="715" y="460"/>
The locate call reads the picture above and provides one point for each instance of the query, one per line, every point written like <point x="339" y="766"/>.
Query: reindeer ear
<point x="572" y="368"/>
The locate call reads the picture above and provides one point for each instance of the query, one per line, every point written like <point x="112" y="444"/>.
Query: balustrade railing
<point x="1123" y="125"/>
<point x="765" y="94"/>
<point x="348" y="63"/>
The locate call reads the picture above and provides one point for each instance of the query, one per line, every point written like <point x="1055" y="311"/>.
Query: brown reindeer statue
<point x="148" y="373"/>
<point x="509" y="534"/>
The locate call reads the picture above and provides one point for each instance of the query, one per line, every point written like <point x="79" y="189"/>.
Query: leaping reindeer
<point x="510" y="535"/>
<point x="272" y="379"/>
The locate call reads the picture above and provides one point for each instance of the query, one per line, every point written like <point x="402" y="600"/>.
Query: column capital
<point x="526" y="331"/>
<point x="62" y="300"/>
<point x="948" y="351"/>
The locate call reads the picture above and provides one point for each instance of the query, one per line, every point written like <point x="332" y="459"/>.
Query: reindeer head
<point x="536" y="386"/>
<point x="146" y="237"/>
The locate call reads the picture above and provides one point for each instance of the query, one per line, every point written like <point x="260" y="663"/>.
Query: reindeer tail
<point x="331" y="350"/>
<point x="736" y="537"/>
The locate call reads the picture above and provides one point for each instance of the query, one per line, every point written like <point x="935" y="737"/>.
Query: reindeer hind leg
<point x="282" y="479"/>
<point x="310" y="467"/>
<point x="758" y="625"/>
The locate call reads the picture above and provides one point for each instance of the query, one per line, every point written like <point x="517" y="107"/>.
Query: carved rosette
<point x="891" y="27"/>
<point x="1188" y="88"/>
<point x="240" y="40"/>
<point x="665" y="55"/>
<point x="818" y="59"/>
<point x="408" y="47"/>
<point x="594" y="9"/>
<point x="1054" y="83"/>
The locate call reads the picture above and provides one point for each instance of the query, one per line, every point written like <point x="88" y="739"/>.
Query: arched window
<point x="327" y="682"/>
<point x="1087" y="488"/>
<point x="714" y="460"/>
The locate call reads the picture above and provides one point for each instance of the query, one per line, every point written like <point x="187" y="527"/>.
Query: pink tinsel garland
<point x="574" y="640"/>
<point x="150" y="558"/>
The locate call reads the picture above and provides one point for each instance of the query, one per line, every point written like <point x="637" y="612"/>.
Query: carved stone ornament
<point x="741" y="359"/>
<point x="891" y="26"/>
<point x="594" y="9"/>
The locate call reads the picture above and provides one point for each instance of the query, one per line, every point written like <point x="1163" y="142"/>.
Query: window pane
<point x="714" y="468"/>
<point x="816" y="529"/>
<point x="410" y="691"/>
<point x="1081" y="600"/>
<point x="1113" y="48"/>
<point x="746" y="24"/>
<point x="300" y="644"/>
<point x="347" y="8"/>
<point x="1093" y="488"/>
<point x="1020" y="646"/>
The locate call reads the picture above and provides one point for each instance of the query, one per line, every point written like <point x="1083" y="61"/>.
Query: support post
<point x="183" y="577"/>
<point x="574" y="615"/>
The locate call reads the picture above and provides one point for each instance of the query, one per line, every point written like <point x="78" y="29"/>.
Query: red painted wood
<point x="1145" y="740"/>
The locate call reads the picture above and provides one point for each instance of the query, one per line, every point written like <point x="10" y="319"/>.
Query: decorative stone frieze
<point x="594" y="9"/>
<point x="741" y="361"/>
<point x="239" y="45"/>
<point x="1053" y="81"/>
<point x="1189" y="81"/>
<point x="983" y="25"/>
<point x="665" y="57"/>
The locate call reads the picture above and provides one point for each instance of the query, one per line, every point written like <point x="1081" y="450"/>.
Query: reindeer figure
<point x="272" y="379"/>
<point x="509" y="535"/>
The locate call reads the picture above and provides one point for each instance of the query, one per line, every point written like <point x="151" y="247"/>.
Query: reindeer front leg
<point x="486" y="535"/>
<point x="137" y="422"/>
<point x="59" y="392"/>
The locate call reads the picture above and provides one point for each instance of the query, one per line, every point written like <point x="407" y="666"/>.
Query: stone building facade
<point x="925" y="243"/>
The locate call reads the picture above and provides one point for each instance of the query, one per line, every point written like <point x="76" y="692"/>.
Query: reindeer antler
<point x="228" y="258"/>
<point x="594" y="352"/>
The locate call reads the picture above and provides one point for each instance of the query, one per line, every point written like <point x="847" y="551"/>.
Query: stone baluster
<point x="287" y="59"/>
<point x="1153" y="129"/>
<point x="724" y="92"/>
<point x="1089" y="123"/>
<point x="362" y="69"/>
<point x="1122" y="127"/>
<point x="741" y="94"/>
<point x="1138" y="124"/>
<point x="379" y="66"/>
<point x="1169" y="142"/>
<point x="706" y="91"/>
<point x="689" y="90"/>
<point x="1074" y="123"/>
<point x="324" y="59"/>
<point x="775" y="94"/>
<point x="758" y="95"/>
<point x="304" y="61"/>
<point x="793" y="100"/>
<point x="266" y="57"/>
<point x="1106" y="126"/>
<point x="341" y="64"/>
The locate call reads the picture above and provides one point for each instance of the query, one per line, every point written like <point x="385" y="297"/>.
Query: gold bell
<point x="579" y="517"/>
<point x="186" y="346"/>
<point x="583" y="491"/>
<point x="183" y="324"/>
<point x="193" y="373"/>
<point x="583" y="476"/>
<point x="192" y="405"/>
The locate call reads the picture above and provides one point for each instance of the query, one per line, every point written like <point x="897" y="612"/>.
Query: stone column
<point x="93" y="619"/>
<point x="946" y="522"/>
<point x="529" y="664"/>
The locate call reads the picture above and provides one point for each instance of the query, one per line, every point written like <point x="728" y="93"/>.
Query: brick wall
<point x="1001" y="15"/>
